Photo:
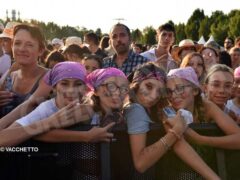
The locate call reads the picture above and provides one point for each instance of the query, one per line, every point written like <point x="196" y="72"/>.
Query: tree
<point x="136" y="35"/>
<point x="233" y="13"/>
<point x="204" y="29"/>
<point x="216" y="17"/>
<point x="234" y="25"/>
<point x="220" y="32"/>
<point x="219" y="26"/>
<point x="193" y="24"/>
<point x="149" y="35"/>
<point x="98" y="32"/>
<point x="180" y="32"/>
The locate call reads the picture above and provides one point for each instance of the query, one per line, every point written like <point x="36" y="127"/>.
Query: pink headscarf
<point x="64" y="70"/>
<point x="237" y="72"/>
<point x="95" y="78"/>
<point x="186" y="73"/>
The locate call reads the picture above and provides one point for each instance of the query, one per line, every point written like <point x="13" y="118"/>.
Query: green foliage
<point x="219" y="25"/>
<point x="234" y="25"/>
<point x="180" y="32"/>
<point x="99" y="32"/>
<point x="137" y="36"/>
<point x="219" y="32"/>
<point x="204" y="29"/>
<point x="193" y="24"/>
<point x="149" y="35"/>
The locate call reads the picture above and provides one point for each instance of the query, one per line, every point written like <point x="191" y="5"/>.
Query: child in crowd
<point x="92" y="62"/>
<point x="75" y="53"/>
<point x="218" y="86"/>
<point x="53" y="58"/>
<point x="68" y="82"/>
<point x="110" y="87"/>
<point x="234" y="104"/>
<point x="184" y="92"/>
<point x="146" y="94"/>
<point x="195" y="60"/>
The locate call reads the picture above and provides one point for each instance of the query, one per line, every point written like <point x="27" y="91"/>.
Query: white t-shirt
<point x="5" y="63"/>
<point x="151" y="56"/>
<point x="230" y="105"/>
<point x="44" y="110"/>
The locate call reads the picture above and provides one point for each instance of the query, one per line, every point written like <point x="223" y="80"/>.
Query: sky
<point x="94" y="14"/>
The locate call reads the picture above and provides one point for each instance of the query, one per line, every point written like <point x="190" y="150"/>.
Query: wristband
<point x="166" y="146"/>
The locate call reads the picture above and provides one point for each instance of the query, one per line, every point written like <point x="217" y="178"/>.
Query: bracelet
<point x="166" y="146"/>
<point x="174" y="133"/>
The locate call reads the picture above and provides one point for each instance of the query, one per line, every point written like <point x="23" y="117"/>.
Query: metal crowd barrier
<point x="112" y="161"/>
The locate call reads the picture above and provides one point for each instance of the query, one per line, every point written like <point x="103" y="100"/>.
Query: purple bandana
<point x="97" y="77"/>
<point x="64" y="70"/>
<point x="186" y="73"/>
<point x="138" y="77"/>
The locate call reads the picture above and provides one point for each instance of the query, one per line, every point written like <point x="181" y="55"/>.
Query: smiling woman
<point x="28" y="45"/>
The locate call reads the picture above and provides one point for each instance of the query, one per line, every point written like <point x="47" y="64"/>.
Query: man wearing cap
<point x="165" y="37"/>
<point x="124" y="58"/>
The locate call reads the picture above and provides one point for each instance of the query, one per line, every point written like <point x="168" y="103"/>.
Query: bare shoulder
<point x="42" y="70"/>
<point x="209" y="108"/>
<point x="206" y="103"/>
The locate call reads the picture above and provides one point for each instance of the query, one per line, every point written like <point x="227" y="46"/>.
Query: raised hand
<point x="100" y="133"/>
<point x="5" y="97"/>
<point x="64" y="117"/>
<point x="178" y="123"/>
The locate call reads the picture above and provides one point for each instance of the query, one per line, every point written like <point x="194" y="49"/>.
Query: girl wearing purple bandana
<point x="110" y="88"/>
<point x="68" y="82"/>
<point x="147" y="97"/>
<point x="184" y="92"/>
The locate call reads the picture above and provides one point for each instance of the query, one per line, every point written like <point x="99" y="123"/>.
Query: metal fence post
<point x="221" y="164"/>
<point x="105" y="161"/>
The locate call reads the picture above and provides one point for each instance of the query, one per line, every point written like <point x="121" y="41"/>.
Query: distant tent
<point x="201" y="40"/>
<point x="211" y="38"/>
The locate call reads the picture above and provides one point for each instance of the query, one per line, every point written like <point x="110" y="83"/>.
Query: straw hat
<point x="186" y="43"/>
<point x="8" y="30"/>
<point x="73" y="40"/>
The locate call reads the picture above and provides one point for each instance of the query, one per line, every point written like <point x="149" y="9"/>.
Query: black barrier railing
<point x="113" y="160"/>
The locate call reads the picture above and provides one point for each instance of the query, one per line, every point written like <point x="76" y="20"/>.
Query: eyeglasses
<point x="112" y="87"/>
<point x="228" y="42"/>
<point x="210" y="54"/>
<point x="178" y="90"/>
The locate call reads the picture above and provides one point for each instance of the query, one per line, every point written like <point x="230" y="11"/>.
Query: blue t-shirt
<point x="137" y="119"/>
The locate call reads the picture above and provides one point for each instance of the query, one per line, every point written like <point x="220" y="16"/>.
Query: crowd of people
<point x="47" y="87"/>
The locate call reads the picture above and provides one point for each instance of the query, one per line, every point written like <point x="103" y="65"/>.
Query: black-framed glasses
<point x="228" y="42"/>
<point x="178" y="90"/>
<point x="112" y="87"/>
